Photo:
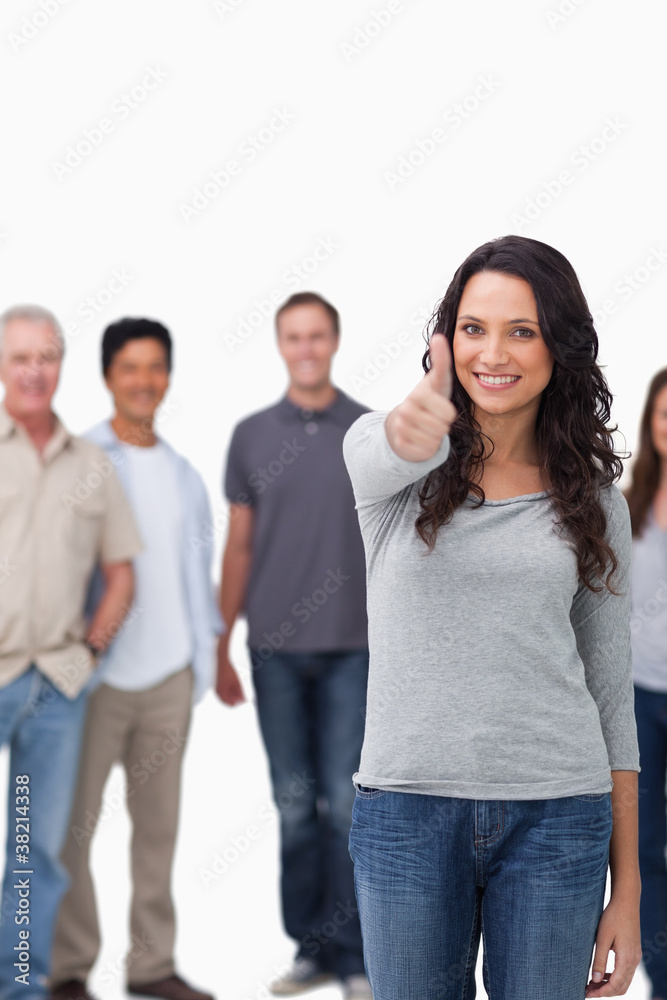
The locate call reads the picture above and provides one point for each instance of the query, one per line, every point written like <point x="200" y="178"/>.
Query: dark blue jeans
<point x="651" y="714"/>
<point x="311" y="709"/>
<point x="434" y="874"/>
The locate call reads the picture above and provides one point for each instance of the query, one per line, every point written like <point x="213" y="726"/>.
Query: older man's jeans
<point x="43" y="729"/>
<point x="311" y="709"/>
<point x="433" y="874"/>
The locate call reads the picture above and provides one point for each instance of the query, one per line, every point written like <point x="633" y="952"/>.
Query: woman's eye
<point x="471" y="328"/>
<point x="524" y="334"/>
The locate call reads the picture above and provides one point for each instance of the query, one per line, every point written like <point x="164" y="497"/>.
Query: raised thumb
<point x="440" y="371"/>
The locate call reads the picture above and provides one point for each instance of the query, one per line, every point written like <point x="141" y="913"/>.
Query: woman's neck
<point x="513" y="438"/>
<point x="511" y="467"/>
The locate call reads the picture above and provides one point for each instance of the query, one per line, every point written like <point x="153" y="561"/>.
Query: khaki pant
<point x="146" y="731"/>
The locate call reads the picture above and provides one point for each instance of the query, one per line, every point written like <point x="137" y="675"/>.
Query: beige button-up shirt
<point x="61" y="513"/>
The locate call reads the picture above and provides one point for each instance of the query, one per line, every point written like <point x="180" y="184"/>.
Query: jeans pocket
<point x="591" y="797"/>
<point x="364" y="792"/>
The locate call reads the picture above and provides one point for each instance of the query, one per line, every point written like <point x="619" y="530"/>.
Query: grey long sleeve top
<point x="494" y="673"/>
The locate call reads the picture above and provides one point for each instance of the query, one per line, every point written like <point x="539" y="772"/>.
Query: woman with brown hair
<point x="647" y="500"/>
<point x="497" y="781"/>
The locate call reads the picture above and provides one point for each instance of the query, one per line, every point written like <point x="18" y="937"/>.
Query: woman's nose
<point x="494" y="351"/>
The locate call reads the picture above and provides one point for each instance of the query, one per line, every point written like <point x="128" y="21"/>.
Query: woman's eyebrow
<point x="523" y="319"/>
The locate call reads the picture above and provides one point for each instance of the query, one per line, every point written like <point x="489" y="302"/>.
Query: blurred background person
<point x="62" y="511"/>
<point x="140" y="714"/>
<point x="647" y="500"/>
<point x="294" y="563"/>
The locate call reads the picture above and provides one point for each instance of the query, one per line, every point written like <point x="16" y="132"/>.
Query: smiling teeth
<point x="497" y="379"/>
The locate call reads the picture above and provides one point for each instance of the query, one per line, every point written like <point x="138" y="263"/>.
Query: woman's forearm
<point x="623" y="849"/>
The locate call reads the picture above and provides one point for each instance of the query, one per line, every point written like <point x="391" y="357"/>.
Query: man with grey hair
<point x="62" y="510"/>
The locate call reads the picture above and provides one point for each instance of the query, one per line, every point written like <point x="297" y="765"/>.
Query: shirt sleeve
<point x="235" y="486"/>
<point x="376" y="471"/>
<point x="602" y="627"/>
<point x="120" y="536"/>
<point x="205" y="552"/>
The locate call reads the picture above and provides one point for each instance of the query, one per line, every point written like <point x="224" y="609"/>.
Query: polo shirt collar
<point x="291" y="413"/>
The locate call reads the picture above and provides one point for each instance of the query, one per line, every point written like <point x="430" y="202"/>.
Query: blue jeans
<point x="311" y="709"/>
<point x="43" y="729"/>
<point x="434" y="874"/>
<point x="651" y="715"/>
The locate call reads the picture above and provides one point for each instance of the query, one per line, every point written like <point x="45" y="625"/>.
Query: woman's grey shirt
<point x="494" y="673"/>
<point x="649" y="607"/>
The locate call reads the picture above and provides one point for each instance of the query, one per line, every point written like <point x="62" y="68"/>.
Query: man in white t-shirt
<point x="139" y="715"/>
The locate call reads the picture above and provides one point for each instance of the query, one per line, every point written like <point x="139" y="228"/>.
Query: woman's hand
<point x="618" y="930"/>
<point x="415" y="429"/>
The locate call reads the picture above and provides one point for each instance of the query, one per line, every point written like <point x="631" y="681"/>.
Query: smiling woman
<point x="494" y="352"/>
<point x="515" y="308"/>
<point x="497" y="780"/>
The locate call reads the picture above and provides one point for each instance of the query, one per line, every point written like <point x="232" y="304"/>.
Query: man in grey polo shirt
<point x="294" y="563"/>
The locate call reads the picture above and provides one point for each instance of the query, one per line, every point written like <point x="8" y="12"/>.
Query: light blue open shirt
<point x="205" y="619"/>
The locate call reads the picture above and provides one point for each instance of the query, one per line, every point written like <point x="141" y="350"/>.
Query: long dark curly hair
<point x="575" y="445"/>
<point x="646" y="468"/>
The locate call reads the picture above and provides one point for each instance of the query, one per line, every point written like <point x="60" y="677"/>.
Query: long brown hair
<point x="646" y="467"/>
<point x="575" y="445"/>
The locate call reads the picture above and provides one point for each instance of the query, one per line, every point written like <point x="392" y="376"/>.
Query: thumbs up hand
<point x="416" y="427"/>
<point x="440" y="372"/>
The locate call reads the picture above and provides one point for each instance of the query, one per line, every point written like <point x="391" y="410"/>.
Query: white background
<point x="548" y="77"/>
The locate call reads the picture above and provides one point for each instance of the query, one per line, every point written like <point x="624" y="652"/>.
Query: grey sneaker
<point x="357" y="988"/>
<point x="305" y="974"/>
